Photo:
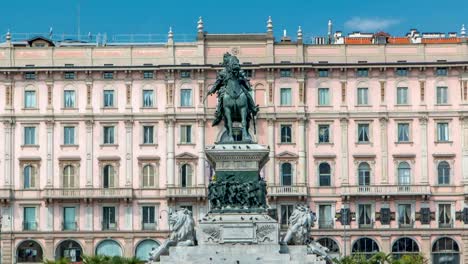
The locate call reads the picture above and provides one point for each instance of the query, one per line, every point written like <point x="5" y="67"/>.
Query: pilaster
<point x="271" y="143"/>
<point x="384" y="149"/>
<point x="128" y="95"/>
<point x="424" y="156"/>
<point x="464" y="139"/>
<point x="302" y="169"/>
<point x="89" y="153"/>
<point x="426" y="245"/>
<point x="50" y="153"/>
<point x="129" y="152"/>
<point x="89" y="95"/>
<point x="201" y="152"/>
<point x="50" y="96"/>
<point x="170" y="164"/>
<point x="344" y="122"/>
<point x="9" y="127"/>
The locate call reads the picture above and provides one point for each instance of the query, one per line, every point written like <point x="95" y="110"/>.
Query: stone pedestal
<point x="242" y="228"/>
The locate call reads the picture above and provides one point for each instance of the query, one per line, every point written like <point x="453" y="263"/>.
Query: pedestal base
<point x="240" y="254"/>
<point x="233" y="228"/>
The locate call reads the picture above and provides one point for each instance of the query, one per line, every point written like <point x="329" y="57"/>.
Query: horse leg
<point x="245" y="132"/>
<point x="228" y="123"/>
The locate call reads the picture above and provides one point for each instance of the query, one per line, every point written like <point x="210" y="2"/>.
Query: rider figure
<point x="219" y="87"/>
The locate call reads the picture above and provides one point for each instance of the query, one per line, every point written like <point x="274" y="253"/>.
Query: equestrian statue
<point x="235" y="103"/>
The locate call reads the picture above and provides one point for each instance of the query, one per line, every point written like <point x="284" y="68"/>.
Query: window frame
<point x="438" y="138"/>
<point x="320" y="175"/>
<point x="358" y="97"/>
<point x="31" y="89"/>
<point x="286" y="125"/>
<point x="35" y="138"/>
<point x="143" y="134"/>
<point x="75" y="98"/>
<point x="114" y="98"/>
<point x="288" y="102"/>
<point x="184" y="127"/>
<point x="153" y="97"/>
<point x="369" y="132"/>
<point x="409" y="124"/>
<point x="399" y="100"/>
<point x="292" y="180"/>
<point x="181" y="92"/>
<point x="444" y="100"/>
<point x="328" y="93"/>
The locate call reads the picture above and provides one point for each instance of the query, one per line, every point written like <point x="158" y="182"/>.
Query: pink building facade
<point x="101" y="142"/>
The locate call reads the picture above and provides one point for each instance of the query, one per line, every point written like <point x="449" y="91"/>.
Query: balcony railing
<point x="367" y="225"/>
<point x="30" y="225"/>
<point x="377" y="190"/>
<point x="325" y="224"/>
<point x="406" y="225"/>
<point x="69" y="226"/>
<point x="294" y="190"/>
<point x="446" y="225"/>
<point x="88" y="193"/>
<point x="148" y="226"/>
<point x="186" y="192"/>
<point x="109" y="226"/>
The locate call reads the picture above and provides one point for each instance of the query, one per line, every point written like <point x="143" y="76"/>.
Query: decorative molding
<point x="444" y="155"/>
<point x="186" y="156"/>
<point x="287" y="155"/>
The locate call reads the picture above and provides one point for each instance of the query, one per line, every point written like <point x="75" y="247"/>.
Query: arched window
<point x="109" y="248"/>
<point x="29" y="251"/>
<point x="286" y="134"/>
<point x="186" y="175"/>
<point x="404" y="246"/>
<point x="109" y="176"/>
<point x="29" y="177"/>
<point x="324" y="174"/>
<point x="286" y="174"/>
<point x="445" y="251"/>
<point x="443" y="173"/>
<point x="148" y="176"/>
<point x="69" y="176"/>
<point x="70" y="250"/>
<point x="404" y="173"/>
<point x="364" y="174"/>
<point x="144" y="248"/>
<point x="334" y="250"/>
<point x="365" y="246"/>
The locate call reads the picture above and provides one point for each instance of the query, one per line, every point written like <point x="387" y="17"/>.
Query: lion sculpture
<point x="300" y="223"/>
<point x="182" y="228"/>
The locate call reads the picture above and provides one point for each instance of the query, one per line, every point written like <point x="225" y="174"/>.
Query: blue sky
<point x="236" y="16"/>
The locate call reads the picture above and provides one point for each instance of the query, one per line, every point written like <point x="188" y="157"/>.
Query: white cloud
<point x="370" y="24"/>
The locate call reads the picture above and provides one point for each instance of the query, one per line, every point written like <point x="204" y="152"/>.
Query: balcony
<point x="325" y="224"/>
<point x="109" y="226"/>
<point x="186" y="192"/>
<point x="30" y="226"/>
<point x="88" y="193"/>
<point x="379" y="190"/>
<point x="367" y="225"/>
<point x="148" y="226"/>
<point x="403" y="225"/>
<point x="69" y="226"/>
<point x="287" y="191"/>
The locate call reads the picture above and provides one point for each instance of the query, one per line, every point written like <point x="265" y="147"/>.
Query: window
<point x="149" y="219"/>
<point x="442" y="95"/>
<point x="445" y="215"/>
<point x="443" y="173"/>
<point x="286" y="134"/>
<point x="148" y="134"/>
<point x="148" y="98"/>
<point x="404" y="215"/>
<point x="365" y="215"/>
<point x="30" y="75"/>
<point x="362" y="96"/>
<point x="324" y="96"/>
<point x="108" y="218"/>
<point x="69" y="98"/>
<point x="334" y="249"/>
<point x="109" y="248"/>
<point x="109" y="177"/>
<point x="108" y="75"/>
<point x="109" y="135"/>
<point x="363" y="133"/>
<point x="69" y="135"/>
<point x="184" y="74"/>
<point x="286" y="212"/>
<point x="29" y="218"/>
<point x="149" y="176"/>
<point x="404" y="246"/>
<point x="385" y="216"/>
<point x="29" y="135"/>
<point x="324" y="174"/>
<point x="325" y="216"/>
<point x="425" y="215"/>
<point x="323" y="72"/>
<point x="364" y="174"/>
<point x="285" y="94"/>
<point x="445" y="251"/>
<point x="402" y="72"/>
<point x="148" y="75"/>
<point x="248" y="73"/>
<point x="69" y="177"/>
<point x="29" y="177"/>
<point x="402" y="95"/>
<point x="185" y="134"/>
<point x="29" y="251"/>
<point x="144" y="248"/>
<point x="286" y="174"/>
<point x="108" y="98"/>
<point x="30" y="99"/>
<point x="285" y="73"/>
<point x="403" y="132"/>
<point x="324" y="134"/>
<point x="441" y="71"/>
<point x="442" y="132"/>
<point x="362" y="72"/>
<point x="69" y="218"/>
<point x="186" y="176"/>
<point x="70" y="250"/>
<point x="404" y="173"/>
<point x="69" y="75"/>
<point x="186" y="97"/>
